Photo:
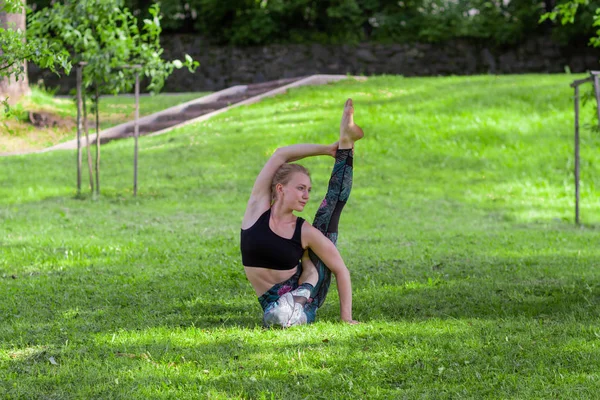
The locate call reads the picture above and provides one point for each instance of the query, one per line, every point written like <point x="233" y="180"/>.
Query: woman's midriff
<point x="263" y="279"/>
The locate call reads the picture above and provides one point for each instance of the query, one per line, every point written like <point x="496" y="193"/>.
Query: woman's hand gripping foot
<point x="349" y="131"/>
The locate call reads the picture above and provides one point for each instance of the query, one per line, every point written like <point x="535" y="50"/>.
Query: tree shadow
<point x="528" y="287"/>
<point x="382" y="360"/>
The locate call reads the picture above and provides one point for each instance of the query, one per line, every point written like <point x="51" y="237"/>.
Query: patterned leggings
<point x="277" y="302"/>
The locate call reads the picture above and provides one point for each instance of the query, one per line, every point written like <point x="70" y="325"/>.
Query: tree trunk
<point x="97" y="100"/>
<point x="79" y="126"/>
<point x="549" y="5"/>
<point x="87" y="139"/>
<point x="9" y="87"/>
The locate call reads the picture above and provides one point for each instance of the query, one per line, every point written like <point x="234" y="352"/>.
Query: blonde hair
<point x="284" y="174"/>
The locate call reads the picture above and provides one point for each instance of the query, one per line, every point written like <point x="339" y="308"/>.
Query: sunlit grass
<point x="470" y="278"/>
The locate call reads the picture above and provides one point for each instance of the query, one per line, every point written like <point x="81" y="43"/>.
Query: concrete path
<point x="197" y="110"/>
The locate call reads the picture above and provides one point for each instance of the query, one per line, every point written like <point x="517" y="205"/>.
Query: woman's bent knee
<point x="284" y="313"/>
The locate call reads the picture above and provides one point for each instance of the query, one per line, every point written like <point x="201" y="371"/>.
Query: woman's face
<point x="296" y="192"/>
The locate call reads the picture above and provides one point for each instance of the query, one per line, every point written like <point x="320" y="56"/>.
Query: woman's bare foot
<point x="349" y="131"/>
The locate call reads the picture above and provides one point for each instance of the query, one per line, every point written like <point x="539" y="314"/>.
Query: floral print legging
<point x="326" y="221"/>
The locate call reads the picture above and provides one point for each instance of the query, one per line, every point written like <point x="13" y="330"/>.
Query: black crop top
<point x="261" y="247"/>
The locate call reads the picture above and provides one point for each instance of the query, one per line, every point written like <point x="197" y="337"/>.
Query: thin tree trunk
<point x="136" y="133"/>
<point x="549" y="5"/>
<point x="79" y="106"/>
<point x="97" y="100"/>
<point x="597" y="94"/>
<point x="87" y="141"/>
<point x="576" y="172"/>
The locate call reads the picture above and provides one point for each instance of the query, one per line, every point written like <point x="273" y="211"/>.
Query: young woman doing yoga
<point x="289" y="263"/>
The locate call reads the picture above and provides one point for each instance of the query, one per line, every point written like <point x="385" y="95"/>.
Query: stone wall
<point x="222" y="67"/>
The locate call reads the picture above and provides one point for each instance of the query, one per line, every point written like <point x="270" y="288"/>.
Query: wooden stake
<point x="136" y="132"/>
<point x="97" y="99"/>
<point x="577" y="155"/>
<point x="597" y="93"/>
<point x="79" y="106"/>
<point x="87" y="140"/>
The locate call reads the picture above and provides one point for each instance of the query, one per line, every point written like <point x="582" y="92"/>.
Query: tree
<point x="104" y="37"/>
<point x="12" y="86"/>
<point x="15" y="51"/>
<point x="565" y="11"/>
<point x="573" y="11"/>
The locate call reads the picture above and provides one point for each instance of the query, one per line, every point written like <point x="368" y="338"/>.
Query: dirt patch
<point x="44" y="119"/>
<point x="37" y="130"/>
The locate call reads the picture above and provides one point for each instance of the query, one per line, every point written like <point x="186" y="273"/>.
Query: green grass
<point x="18" y="135"/>
<point x="470" y="278"/>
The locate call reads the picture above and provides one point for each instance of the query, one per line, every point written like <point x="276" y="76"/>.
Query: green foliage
<point x="106" y="37"/>
<point x="574" y="18"/>
<point x="11" y="6"/>
<point x="565" y="11"/>
<point x="15" y="49"/>
<point x="255" y="22"/>
<point x="568" y="13"/>
<point x="470" y="279"/>
<point x="495" y="22"/>
<point x="251" y="22"/>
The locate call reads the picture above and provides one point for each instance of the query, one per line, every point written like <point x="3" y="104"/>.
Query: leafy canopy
<point x="15" y="49"/>
<point x="106" y="37"/>
<point x="567" y="11"/>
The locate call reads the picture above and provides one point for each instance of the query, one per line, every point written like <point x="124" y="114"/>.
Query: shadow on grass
<point x="490" y="357"/>
<point x="140" y="326"/>
<point x="104" y="299"/>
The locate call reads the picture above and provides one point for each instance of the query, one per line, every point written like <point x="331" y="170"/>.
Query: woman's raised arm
<point x="329" y="254"/>
<point x="260" y="198"/>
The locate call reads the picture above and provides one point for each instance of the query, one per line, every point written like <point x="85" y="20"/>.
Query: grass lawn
<point x="470" y="278"/>
<point x="17" y="134"/>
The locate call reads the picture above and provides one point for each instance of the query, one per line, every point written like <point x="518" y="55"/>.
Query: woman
<point x="274" y="240"/>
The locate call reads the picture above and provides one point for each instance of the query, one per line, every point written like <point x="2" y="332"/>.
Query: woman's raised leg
<point x="338" y="192"/>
